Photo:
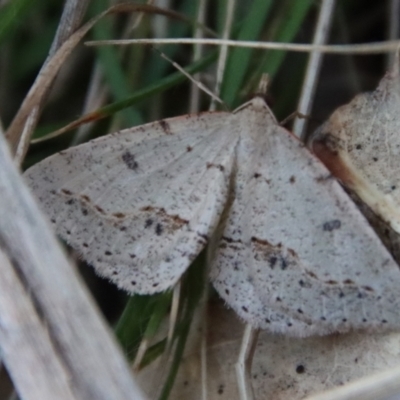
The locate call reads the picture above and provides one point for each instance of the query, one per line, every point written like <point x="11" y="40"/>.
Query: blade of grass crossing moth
<point x="239" y="58"/>
<point x="133" y="322"/>
<point x="159" y="312"/>
<point x="157" y="316"/>
<point x="192" y="288"/>
<point x="153" y="352"/>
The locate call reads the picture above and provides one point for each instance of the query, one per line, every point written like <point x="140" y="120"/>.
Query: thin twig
<point x="393" y="26"/>
<point x="190" y="77"/>
<point x="194" y="102"/>
<point x="313" y="67"/>
<point x="71" y="18"/>
<point x="223" y="54"/>
<point x="362" y="48"/>
<point x="95" y="98"/>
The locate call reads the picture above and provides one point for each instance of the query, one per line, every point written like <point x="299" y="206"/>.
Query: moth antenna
<point x="196" y="82"/>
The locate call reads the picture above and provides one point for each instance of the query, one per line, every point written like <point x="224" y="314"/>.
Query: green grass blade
<point x="291" y="19"/>
<point x="134" y="321"/>
<point x="110" y="61"/>
<point x="12" y="14"/>
<point x="239" y="58"/>
<point x="192" y="291"/>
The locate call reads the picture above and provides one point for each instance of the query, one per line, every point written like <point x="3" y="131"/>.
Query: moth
<point x="290" y="252"/>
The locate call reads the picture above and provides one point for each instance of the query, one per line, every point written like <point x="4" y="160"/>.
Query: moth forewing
<point x="301" y="258"/>
<point x="140" y="204"/>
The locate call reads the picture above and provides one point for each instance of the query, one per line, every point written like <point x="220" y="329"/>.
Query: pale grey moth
<point x="291" y="253"/>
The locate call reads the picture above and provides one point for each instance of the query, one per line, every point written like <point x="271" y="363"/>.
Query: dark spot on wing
<point x="330" y="226"/>
<point x="310" y="273"/>
<point x="331" y="282"/>
<point x="189" y="148"/>
<point x="375" y="159"/>
<point x="148" y="223"/>
<point x="99" y="209"/>
<point x="108" y="253"/>
<point x="292" y="179"/>
<point x="368" y="288"/>
<point x="256" y="175"/>
<point x="218" y="166"/>
<point x="67" y="192"/>
<point x="129" y="159"/>
<point x="358" y="146"/>
<point x="85" y="198"/>
<point x="323" y="178"/>
<point x="159" y="229"/>
<point x="300" y="369"/>
<point x="262" y="242"/>
<point x="119" y="215"/>
<point x="165" y="126"/>
<point x="230" y="240"/>
<point x="284" y="263"/>
<point x="272" y="261"/>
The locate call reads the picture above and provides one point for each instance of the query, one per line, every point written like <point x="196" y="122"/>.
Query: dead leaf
<point x="360" y="144"/>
